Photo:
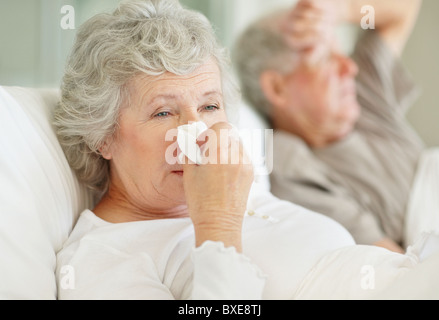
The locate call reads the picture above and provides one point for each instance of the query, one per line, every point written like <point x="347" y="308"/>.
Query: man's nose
<point x="348" y="67"/>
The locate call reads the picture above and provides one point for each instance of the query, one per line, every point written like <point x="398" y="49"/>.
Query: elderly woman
<point x="163" y="230"/>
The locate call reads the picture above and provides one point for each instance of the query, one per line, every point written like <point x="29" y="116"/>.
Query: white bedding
<point x="40" y="200"/>
<point x="423" y="206"/>
<point x="367" y="272"/>
<point x="374" y="276"/>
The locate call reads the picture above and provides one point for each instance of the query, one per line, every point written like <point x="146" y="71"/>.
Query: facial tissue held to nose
<point x="187" y="141"/>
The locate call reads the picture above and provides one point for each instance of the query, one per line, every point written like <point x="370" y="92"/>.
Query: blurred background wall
<point x="34" y="46"/>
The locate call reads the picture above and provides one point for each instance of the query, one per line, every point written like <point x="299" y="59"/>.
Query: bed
<point x="40" y="200"/>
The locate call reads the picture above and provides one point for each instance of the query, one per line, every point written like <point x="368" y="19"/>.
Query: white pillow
<point x="40" y="198"/>
<point x="256" y="137"/>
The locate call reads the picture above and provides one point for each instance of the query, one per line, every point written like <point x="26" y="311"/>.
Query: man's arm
<point x="394" y="19"/>
<point x="337" y="204"/>
<point x="311" y="23"/>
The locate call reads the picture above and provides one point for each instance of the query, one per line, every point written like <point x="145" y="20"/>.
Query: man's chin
<point x="346" y="132"/>
<point x="354" y="110"/>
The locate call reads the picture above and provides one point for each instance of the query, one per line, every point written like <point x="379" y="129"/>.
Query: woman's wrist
<point x="227" y="230"/>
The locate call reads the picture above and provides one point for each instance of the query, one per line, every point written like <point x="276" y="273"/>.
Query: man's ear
<point x="272" y="84"/>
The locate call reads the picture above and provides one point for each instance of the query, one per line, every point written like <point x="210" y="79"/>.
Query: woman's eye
<point x="162" y="114"/>
<point x="211" y="108"/>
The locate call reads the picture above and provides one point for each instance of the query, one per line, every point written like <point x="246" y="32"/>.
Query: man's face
<point x="322" y="100"/>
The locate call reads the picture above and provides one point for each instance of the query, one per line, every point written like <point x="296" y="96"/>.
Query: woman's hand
<point x="217" y="191"/>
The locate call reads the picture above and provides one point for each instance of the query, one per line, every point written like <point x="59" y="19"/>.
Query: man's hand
<point x="309" y="28"/>
<point x="390" y="245"/>
<point x="311" y="23"/>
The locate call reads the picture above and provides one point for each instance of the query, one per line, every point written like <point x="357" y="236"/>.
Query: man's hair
<point x="259" y="48"/>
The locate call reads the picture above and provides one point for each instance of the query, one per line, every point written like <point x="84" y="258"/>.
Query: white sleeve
<point x="224" y="274"/>
<point x="98" y="272"/>
<point x="219" y="273"/>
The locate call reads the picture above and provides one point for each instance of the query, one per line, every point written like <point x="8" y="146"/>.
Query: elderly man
<point x="342" y="146"/>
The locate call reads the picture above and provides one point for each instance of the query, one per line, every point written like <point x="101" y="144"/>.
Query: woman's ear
<point x="272" y="84"/>
<point x="105" y="149"/>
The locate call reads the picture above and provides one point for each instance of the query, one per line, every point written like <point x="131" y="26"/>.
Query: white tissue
<point x="187" y="141"/>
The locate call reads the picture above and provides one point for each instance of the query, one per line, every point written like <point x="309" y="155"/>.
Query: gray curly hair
<point x="150" y="37"/>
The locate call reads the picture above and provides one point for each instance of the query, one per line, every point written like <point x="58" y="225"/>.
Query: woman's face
<point x="140" y="170"/>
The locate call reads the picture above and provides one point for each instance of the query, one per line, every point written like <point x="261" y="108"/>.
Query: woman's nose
<point x="189" y="115"/>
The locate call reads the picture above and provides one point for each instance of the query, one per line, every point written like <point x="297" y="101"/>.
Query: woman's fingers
<point x="223" y="162"/>
<point x="217" y="190"/>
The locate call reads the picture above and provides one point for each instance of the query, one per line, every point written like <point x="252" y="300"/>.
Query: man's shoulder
<point x="293" y="157"/>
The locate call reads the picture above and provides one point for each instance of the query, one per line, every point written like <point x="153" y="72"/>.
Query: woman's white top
<point x="288" y="252"/>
